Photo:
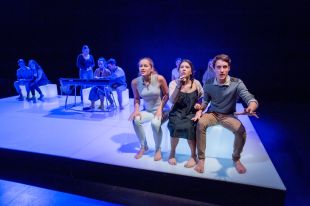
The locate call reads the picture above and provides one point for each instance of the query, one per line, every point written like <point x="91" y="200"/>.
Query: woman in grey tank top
<point x="153" y="89"/>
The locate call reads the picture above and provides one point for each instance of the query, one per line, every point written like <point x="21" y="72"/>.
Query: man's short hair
<point x="223" y="57"/>
<point x="111" y="61"/>
<point x="102" y="59"/>
<point x="20" y="60"/>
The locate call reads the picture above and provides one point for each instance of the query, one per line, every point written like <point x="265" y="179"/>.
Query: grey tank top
<point x="151" y="94"/>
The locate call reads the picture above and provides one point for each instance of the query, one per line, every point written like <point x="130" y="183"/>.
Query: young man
<point x="222" y="92"/>
<point x="99" y="92"/>
<point x="175" y="72"/>
<point x="24" y="76"/>
<point x="118" y="80"/>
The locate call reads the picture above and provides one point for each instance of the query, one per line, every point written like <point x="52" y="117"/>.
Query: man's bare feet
<point x="239" y="167"/>
<point x="200" y="167"/>
<point x="141" y="152"/>
<point x="157" y="155"/>
<point x="190" y="163"/>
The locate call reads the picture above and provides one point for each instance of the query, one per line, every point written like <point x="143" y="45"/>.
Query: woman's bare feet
<point x="190" y="163"/>
<point x="141" y="152"/>
<point x="157" y="155"/>
<point x="172" y="161"/>
<point x="239" y="167"/>
<point x="200" y="167"/>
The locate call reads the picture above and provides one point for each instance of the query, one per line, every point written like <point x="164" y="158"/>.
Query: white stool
<point x="220" y="141"/>
<point x="48" y="90"/>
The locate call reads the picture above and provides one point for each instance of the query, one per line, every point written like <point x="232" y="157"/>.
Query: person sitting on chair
<point x="24" y="76"/>
<point x="118" y="80"/>
<point x="153" y="89"/>
<point x="175" y="72"/>
<point x="222" y="93"/>
<point x="209" y="73"/>
<point x="99" y="92"/>
<point x="38" y="80"/>
<point x="184" y="93"/>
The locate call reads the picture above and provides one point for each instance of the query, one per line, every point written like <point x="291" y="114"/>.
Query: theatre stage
<point x="105" y="143"/>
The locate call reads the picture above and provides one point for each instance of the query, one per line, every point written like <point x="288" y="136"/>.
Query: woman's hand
<point x="198" y="106"/>
<point x="159" y="114"/>
<point x="134" y="115"/>
<point x="197" y="116"/>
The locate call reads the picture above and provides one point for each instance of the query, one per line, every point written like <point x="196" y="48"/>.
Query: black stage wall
<point x="267" y="40"/>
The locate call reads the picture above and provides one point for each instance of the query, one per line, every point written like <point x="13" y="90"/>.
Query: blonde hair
<point x="151" y="62"/>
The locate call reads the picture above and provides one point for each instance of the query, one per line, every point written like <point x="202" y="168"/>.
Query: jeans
<point x="18" y="83"/>
<point x="156" y="128"/>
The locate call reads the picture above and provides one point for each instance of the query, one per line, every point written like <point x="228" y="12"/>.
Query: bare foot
<point x="190" y="163"/>
<point x="200" y="167"/>
<point x="240" y="167"/>
<point x="157" y="155"/>
<point x="141" y="152"/>
<point x="172" y="161"/>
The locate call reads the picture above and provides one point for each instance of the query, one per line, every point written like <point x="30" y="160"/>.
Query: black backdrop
<point x="267" y="40"/>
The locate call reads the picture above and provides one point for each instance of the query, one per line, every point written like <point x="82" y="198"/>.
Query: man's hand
<point x="250" y="110"/>
<point x="246" y="113"/>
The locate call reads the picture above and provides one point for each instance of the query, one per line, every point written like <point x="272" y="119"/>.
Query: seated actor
<point x="118" y="80"/>
<point x="99" y="92"/>
<point x="222" y="92"/>
<point x="39" y="79"/>
<point x="24" y="76"/>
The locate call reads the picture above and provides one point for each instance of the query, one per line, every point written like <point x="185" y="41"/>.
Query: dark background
<point x="268" y="41"/>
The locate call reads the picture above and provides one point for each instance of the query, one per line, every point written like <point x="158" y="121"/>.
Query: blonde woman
<point x="153" y="89"/>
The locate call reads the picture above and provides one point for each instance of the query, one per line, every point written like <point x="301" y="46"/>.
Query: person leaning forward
<point x="222" y="93"/>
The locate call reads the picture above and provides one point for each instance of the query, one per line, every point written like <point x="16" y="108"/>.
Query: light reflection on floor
<point x="108" y="137"/>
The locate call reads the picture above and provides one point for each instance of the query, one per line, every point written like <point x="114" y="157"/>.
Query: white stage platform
<point x="108" y="137"/>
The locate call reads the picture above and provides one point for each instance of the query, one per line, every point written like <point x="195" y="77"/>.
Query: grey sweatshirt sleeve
<point x="244" y="93"/>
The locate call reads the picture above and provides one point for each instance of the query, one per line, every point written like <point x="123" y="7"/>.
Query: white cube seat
<point x="219" y="141"/>
<point x="48" y="90"/>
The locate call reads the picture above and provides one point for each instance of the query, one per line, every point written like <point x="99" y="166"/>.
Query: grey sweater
<point x="224" y="97"/>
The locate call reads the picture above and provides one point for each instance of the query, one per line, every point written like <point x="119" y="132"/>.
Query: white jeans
<point x="156" y="128"/>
